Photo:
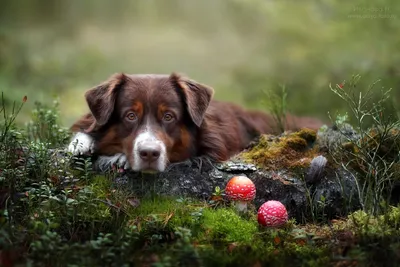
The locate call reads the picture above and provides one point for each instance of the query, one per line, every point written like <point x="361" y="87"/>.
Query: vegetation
<point x="55" y="211"/>
<point x="375" y="154"/>
<point x="289" y="150"/>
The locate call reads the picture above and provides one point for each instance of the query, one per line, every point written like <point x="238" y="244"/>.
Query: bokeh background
<point x="60" y="48"/>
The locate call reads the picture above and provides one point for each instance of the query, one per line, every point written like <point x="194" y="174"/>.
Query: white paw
<point x="81" y="144"/>
<point x="105" y="162"/>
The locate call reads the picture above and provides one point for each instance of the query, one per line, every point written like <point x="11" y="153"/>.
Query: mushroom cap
<point x="272" y="214"/>
<point x="240" y="188"/>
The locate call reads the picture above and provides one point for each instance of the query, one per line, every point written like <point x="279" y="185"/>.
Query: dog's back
<point x="228" y="128"/>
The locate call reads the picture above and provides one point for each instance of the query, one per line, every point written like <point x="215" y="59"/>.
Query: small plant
<point x="9" y="119"/>
<point x="218" y="193"/>
<point x="276" y="105"/>
<point x="45" y="126"/>
<point x="10" y="137"/>
<point x="316" y="206"/>
<point x="217" y="197"/>
<point x="85" y="166"/>
<point x="373" y="156"/>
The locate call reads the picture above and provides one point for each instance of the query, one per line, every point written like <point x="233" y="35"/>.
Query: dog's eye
<point x="131" y="116"/>
<point x="168" y="117"/>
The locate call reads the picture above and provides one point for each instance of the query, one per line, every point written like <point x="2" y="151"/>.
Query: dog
<point x="145" y="122"/>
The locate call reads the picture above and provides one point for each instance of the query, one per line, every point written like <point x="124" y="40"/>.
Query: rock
<point x="289" y="168"/>
<point x="332" y="138"/>
<point x="336" y="194"/>
<point x="198" y="178"/>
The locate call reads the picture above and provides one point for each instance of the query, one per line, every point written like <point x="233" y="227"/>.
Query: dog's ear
<point x="197" y="96"/>
<point x="101" y="99"/>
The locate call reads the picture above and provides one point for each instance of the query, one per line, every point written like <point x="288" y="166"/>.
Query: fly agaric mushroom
<point x="241" y="190"/>
<point x="272" y="214"/>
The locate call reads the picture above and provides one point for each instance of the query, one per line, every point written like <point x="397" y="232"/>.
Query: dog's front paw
<point x="81" y="144"/>
<point x="118" y="160"/>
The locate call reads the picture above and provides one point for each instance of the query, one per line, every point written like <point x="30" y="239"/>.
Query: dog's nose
<point x="149" y="152"/>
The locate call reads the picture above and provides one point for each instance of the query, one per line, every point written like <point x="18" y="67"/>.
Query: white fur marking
<point x="148" y="136"/>
<point x="81" y="144"/>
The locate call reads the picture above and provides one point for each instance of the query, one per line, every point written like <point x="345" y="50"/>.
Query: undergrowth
<point x="55" y="213"/>
<point x="374" y="155"/>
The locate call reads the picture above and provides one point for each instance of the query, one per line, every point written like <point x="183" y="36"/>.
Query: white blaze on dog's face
<point x="149" y="153"/>
<point x="151" y="119"/>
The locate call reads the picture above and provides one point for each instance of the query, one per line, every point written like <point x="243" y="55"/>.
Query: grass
<point x="55" y="213"/>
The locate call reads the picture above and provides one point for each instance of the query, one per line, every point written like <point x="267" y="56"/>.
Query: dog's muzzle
<point x="149" y="153"/>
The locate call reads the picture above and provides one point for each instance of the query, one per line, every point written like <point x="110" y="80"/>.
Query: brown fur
<point x="201" y="126"/>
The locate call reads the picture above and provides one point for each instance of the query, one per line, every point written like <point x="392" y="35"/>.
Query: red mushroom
<point x="241" y="190"/>
<point x="272" y="214"/>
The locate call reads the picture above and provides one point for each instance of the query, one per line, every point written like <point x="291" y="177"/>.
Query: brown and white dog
<point x="145" y="122"/>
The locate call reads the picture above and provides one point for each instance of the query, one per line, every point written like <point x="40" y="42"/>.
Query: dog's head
<point x="152" y="119"/>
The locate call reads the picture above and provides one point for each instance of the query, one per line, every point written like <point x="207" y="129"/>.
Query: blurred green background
<point x="61" y="48"/>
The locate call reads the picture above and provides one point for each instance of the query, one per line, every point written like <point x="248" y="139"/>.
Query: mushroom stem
<point x="241" y="206"/>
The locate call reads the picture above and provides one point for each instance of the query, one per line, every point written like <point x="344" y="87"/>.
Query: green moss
<point x="162" y="215"/>
<point x="292" y="150"/>
<point x="383" y="225"/>
<point x="160" y="204"/>
<point x="296" y="143"/>
<point x="378" y="237"/>
<point x="175" y="211"/>
<point x="190" y="232"/>
<point x="227" y="226"/>
<point x="101" y="186"/>
<point x="310" y="136"/>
